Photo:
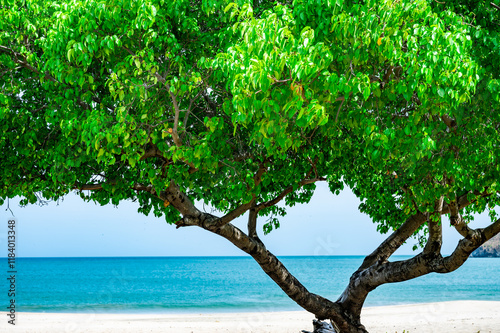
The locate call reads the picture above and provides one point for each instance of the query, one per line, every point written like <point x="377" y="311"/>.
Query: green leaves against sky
<point x="236" y="102"/>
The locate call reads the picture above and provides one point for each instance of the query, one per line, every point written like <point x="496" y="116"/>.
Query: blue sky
<point x="328" y="225"/>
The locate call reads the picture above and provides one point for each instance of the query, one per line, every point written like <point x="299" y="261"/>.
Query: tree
<point x="246" y="105"/>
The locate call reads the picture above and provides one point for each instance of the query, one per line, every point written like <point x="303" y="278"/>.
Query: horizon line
<point x="194" y="256"/>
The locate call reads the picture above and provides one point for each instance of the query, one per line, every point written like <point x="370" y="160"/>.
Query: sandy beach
<point x="456" y="317"/>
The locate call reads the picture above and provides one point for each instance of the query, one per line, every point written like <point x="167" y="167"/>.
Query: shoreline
<point x="452" y="316"/>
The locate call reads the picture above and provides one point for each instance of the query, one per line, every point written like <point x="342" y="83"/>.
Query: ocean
<point x="220" y="284"/>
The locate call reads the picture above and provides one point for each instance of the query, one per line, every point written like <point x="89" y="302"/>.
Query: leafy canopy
<point x="241" y="102"/>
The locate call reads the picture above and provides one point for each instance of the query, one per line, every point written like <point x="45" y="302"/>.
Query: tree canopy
<point x="242" y="105"/>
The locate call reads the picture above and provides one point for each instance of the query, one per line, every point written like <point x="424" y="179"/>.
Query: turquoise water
<point x="220" y="284"/>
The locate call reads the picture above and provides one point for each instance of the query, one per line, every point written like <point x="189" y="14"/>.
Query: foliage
<point x="238" y="102"/>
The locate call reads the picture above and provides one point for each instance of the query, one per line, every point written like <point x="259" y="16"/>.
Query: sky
<point x="328" y="225"/>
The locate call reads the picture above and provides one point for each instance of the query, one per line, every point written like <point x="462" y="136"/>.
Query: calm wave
<point x="221" y="284"/>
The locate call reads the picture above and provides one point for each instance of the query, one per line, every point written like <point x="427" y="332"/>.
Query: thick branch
<point x="461" y="227"/>
<point x="456" y="219"/>
<point x="181" y="202"/>
<point x="398" y="237"/>
<point x="458" y="222"/>
<point x="466" y="246"/>
<point x="491" y="231"/>
<point x="321" y="307"/>
<point x="435" y="240"/>
<point x="252" y="224"/>
<point x="376" y="270"/>
<point x="394" y="241"/>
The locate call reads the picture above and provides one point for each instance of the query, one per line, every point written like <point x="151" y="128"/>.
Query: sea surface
<point x="220" y="284"/>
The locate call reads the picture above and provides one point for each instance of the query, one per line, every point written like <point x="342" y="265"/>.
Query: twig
<point x="338" y="111"/>
<point x="8" y="207"/>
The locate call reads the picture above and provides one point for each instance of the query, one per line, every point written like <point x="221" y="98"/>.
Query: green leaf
<point x="366" y="93"/>
<point x="440" y="92"/>
<point x="229" y="6"/>
<point x="407" y="130"/>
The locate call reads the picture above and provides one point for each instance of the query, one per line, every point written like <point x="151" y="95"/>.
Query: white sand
<point x="456" y="317"/>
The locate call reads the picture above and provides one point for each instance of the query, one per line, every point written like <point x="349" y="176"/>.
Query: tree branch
<point x="100" y="186"/>
<point x="286" y="191"/>
<point x="252" y="224"/>
<point x="422" y="263"/>
<point x="458" y="222"/>
<point x="321" y="307"/>
<point x="181" y="202"/>
<point x="435" y="240"/>
<point x="394" y="241"/>
<point x="175" y="132"/>
<point x="88" y="187"/>
<point x="240" y="210"/>
<point x="153" y="152"/>
<point x="450" y="122"/>
<point x="21" y="60"/>
<point x="258" y="176"/>
<point x="398" y="237"/>
<point x="462" y="201"/>
<point x="491" y="231"/>
<point x="467" y="245"/>
<point x="338" y="111"/>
